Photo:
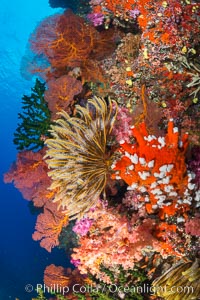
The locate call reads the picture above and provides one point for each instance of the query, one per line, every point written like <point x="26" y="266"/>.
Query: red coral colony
<point x="123" y="94"/>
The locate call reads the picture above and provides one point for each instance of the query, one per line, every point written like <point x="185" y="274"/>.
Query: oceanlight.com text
<point x="112" y="288"/>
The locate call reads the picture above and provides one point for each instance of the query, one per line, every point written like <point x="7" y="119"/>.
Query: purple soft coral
<point x="82" y="227"/>
<point x="121" y="129"/>
<point x="194" y="164"/>
<point x="134" y="13"/>
<point x="96" y="18"/>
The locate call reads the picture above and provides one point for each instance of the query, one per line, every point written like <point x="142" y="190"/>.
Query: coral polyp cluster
<point x="77" y="154"/>
<point x="155" y="167"/>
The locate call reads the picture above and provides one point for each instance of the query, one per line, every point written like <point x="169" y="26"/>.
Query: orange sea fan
<point x="62" y="277"/>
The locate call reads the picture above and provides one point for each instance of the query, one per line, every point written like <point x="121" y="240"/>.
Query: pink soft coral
<point x="121" y="129"/>
<point x="192" y="226"/>
<point x="82" y="226"/>
<point x="110" y="228"/>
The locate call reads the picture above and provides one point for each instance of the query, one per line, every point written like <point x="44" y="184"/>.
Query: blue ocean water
<point x="22" y="261"/>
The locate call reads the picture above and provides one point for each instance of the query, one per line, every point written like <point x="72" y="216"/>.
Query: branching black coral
<point x="77" y="154"/>
<point x="35" y="120"/>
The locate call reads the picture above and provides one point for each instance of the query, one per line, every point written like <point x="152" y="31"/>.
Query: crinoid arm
<point x="77" y="155"/>
<point x="181" y="282"/>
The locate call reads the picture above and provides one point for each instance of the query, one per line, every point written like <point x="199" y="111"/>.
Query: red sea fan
<point x="49" y="225"/>
<point x="66" y="40"/>
<point x="65" y="281"/>
<point x="61" y="92"/>
<point x="29" y="174"/>
<point x="56" y="275"/>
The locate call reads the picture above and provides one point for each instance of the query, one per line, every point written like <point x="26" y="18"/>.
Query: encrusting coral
<point x="155" y="166"/>
<point x="78" y="156"/>
<point x="192" y="226"/>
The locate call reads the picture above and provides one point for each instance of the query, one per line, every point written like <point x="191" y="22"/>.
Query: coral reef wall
<point x="111" y="152"/>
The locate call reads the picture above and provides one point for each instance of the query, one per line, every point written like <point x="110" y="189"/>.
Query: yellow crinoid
<point x="78" y="157"/>
<point x="181" y="282"/>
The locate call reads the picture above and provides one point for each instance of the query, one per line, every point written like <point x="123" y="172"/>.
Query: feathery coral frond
<point x="186" y="276"/>
<point x="78" y="156"/>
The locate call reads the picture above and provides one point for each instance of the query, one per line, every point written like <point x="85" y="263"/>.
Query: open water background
<point x="22" y="261"/>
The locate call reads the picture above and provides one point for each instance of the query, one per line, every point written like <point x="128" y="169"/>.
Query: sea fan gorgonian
<point x="78" y="156"/>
